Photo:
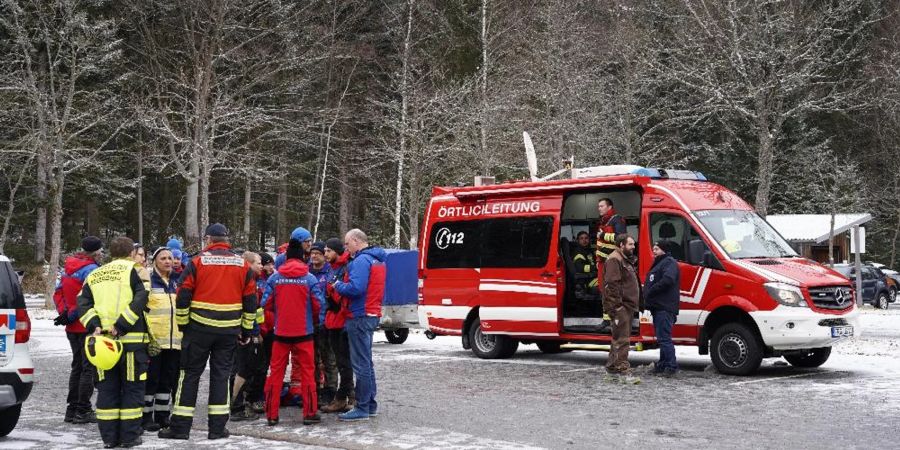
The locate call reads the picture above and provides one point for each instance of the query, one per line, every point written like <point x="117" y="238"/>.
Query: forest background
<point x="154" y="118"/>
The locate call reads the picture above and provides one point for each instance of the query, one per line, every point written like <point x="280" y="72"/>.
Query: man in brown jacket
<point x="621" y="293"/>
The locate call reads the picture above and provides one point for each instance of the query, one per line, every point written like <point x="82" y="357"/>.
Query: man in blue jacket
<point x="363" y="285"/>
<point x="661" y="296"/>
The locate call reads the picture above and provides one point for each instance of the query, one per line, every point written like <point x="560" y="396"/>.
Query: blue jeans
<point x="360" y="331"/>
<point x="662" y="323"/>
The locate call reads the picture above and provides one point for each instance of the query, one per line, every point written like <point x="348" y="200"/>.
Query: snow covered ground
<point x="434" y="394"/>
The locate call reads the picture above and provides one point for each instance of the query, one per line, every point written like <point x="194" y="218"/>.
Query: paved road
<point x="434" y="394"/>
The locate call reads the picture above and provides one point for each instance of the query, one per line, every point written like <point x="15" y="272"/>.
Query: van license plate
<point x="2" y="347"/>
<point x="845" y="331"/>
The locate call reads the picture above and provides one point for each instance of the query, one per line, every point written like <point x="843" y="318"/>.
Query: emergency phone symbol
<point x="444" y="238"/>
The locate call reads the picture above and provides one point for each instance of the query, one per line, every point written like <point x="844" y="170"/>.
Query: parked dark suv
<point x="875" y="288"/>
<point x="16" y="368"/>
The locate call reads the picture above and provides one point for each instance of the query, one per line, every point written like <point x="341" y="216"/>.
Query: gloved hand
<point x="245" y="336"/>
<point x="61" y="320"/>
<point x="153" y="348"/>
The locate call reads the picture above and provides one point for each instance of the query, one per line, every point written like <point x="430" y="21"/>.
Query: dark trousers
<point x="81" y="377"/>
<point x="257" y="386"/>
<point x="340" y="345"/>
<point x="621" y="335"/>
<point x="360" y="331"/>
<point x="663" y="321"/>
<point x="247" y="364"/>
<point x="120" y="395"/>
<point x="326" y="368"/>
<point x="196" y="348"/>
<point x="161" y="382"/>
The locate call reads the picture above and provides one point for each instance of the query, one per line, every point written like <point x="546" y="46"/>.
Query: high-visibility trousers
<point x="120" y="396"/>
<point x="196" y="348"/>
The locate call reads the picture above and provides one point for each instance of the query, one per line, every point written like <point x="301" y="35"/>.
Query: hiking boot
<point x="148" y="424"/>
<point x="133" y="443"/>
<point x="353" y="415"/>
<point x="213" y="435"/>
<point x="110" y="444"/>
<point x="336" y="406"/>
<point x="70" y="414"/>
<point x="244" y="414"/>
<point x="312" y="420"/>
<point x="168" y="433"/>
<point x="85" y="417"/>
<point x="272" y="422"/>
<point x="258" y="407"/>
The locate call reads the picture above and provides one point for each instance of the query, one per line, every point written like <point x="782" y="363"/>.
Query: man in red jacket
<point x="296" y="300"/>
<point x="81" y="378"/>
<point x="338" y="309"/>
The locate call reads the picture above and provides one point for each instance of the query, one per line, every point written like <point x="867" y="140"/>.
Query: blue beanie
<point x="174" y="244"/>
<point x="300" y="234"/>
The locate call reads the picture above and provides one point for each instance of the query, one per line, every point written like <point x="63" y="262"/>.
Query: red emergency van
<point x="495" y="268"/>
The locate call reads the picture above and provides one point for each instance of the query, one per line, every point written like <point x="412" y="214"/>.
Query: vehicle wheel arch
<point x="724" y="315"/>
<point x="467" y="325"/>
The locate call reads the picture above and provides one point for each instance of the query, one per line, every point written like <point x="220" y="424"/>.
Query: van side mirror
<point x="700" y="255"/>
<point x="696" y="249"/>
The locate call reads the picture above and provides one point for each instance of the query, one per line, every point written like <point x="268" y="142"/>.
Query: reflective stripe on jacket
<point x="161" y="312"/>
<point x="217" y="292"/>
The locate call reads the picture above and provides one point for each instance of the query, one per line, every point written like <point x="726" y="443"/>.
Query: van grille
<point x="831" y="297"/>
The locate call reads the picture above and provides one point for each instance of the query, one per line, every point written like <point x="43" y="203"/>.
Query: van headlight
<point x="786" y="294"/>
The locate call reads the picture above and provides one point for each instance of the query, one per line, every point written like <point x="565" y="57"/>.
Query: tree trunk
<point x="765" y="157"/>
<point x="204" y="194"/>
<point x="404" y="110"/>
<point x="93" y="218"/>
<point x="248" y="197"/>
<point x="486" y="165"/>
<point x="281" y="226"/>
<point x="192" y="194"/>
<point x="140" y="195"/>
<point x="56" y="213"/>
<point x="40" y="228"/>
<point x="412" y="208"/>
<point x="344" y="208"/>
<point x="894" y="240"/>
<point x="11" y="207"/>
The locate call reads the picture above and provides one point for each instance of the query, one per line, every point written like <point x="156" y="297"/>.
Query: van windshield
<point x="743" y="234"/>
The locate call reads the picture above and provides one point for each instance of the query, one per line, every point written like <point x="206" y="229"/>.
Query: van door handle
<point x="547" y="275"/>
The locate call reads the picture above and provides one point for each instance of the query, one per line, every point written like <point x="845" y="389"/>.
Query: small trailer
<point x="399" y="309"/>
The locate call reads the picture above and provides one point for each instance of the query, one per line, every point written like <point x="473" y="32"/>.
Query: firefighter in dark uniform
<point x="216" y="308"/>
<point x="113" y="300"/>
<point x="610" y="225"/>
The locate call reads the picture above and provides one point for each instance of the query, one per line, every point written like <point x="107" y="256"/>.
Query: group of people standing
<point x="316" y="304"/>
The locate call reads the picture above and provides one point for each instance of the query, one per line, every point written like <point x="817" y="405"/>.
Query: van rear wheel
<point x="397" y="336"/>
<point x="491" y="346"/>
<point x="813" y="357"/>
<point x="9" y="417"/>
<point x="736" y="350"/>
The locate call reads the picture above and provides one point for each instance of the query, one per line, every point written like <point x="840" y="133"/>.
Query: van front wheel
<point x="813" y="357"/>
<point x="491" y="346"/>
<point x="736" y="350"/>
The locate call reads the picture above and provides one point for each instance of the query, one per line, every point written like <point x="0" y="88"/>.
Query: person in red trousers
<point x="296" y="303"/>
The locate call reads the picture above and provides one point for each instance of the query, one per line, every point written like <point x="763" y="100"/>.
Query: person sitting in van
<point x="583" y="258"/>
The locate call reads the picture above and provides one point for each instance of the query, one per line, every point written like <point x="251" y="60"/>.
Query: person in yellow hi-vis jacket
<point x="113" y="300"/>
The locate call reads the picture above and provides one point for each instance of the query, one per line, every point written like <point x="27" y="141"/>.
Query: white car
<point x="16" y="368"/>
